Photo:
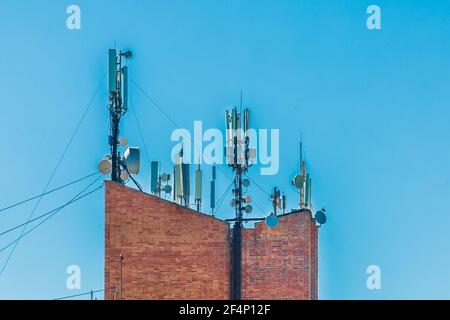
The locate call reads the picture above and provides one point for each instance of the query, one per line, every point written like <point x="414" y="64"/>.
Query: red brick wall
<point x="170" y="252"/>
<point x="176" y="253"/>
<point x="281" y="263"/>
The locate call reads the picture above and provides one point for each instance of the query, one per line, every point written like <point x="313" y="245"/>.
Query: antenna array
<point x="237" y="153"/>
<point x="120" y="167"/>
<point x="302" y="182"/>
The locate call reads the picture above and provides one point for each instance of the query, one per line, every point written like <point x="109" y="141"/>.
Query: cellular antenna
<point x="198" y="188"/>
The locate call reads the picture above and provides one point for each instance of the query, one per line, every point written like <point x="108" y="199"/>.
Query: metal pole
<point x="236" y="246"/>
<point x="92" y="295"/>
<point x="121" y="265"/>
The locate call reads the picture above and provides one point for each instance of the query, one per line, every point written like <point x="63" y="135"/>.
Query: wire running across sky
<point x="55" y="169"/>
<point x="78" y="195"/>
<point x="48" y="192"/>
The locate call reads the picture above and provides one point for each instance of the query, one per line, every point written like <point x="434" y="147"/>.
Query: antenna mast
<point x="118" y="106"/>
<point x="238" y="156"/>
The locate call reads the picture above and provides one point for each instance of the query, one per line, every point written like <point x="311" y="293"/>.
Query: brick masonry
<point x="171" y="252"/>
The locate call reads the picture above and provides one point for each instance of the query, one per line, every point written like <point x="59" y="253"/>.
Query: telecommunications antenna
<point x="298" y="181"/>
<point x="123" y="142"/>
<point x="272" y="221"/>
<point x="167" y="188"/>
<point x="105" y="166"/>
<point x="132" y="160"/>
<point x="124" y="175"/>
<point x="321" y="217"/>
<point x="165" y="177"/>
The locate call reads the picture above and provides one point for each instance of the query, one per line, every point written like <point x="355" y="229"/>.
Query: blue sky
<point x="372" y="107"/>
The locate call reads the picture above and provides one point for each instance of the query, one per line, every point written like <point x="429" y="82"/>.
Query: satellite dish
<point x="320" y="217"/>
<point x="272" y="221"/>
<point x="247" y="199"/>
<point x="132" y="159"/>
<point x="165" y="177"/>
<point x="105" y="166"/>
<point x="248" y="208"/>
<point x="167" y="189"/>
<point x="233" y="203"/>
<point x="124" y="175"/>
<point x="123" y="142"/>
<point x="246" y="182"/>
<point x="298" y="181"/>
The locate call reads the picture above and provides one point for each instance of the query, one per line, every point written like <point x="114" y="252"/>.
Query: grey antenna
<point x="178" y="177"/>
<point x="185" y="172"/>
<point x="283" y="203"/>
<point x="154" y="177"/>
<point x="198" y="188"/>
<point x="308" y="191"/>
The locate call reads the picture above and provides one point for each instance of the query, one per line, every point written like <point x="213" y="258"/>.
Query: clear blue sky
<point x="373" y="107"/>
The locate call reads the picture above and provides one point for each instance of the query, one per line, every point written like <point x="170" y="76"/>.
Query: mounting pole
<point x="121" y="265"/>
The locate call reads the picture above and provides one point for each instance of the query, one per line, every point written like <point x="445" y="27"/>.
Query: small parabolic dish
<point x="272" y="221"/>
<point x="105" y="166"/>
<point x="320" y="217"/>
<point x="167" y="189"/>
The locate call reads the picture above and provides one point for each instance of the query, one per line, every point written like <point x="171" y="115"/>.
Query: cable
<point x="154" y="103"/>
<point x="223" y="196"/>
<point x="80" y="294"/>
<point x="49" y="212"/>
<point x="174" y="123"/>
<point x="48" y="192"/>
<point x="49" y="217"/>
<point x="55" y="169"/>
<point x="258" y="185"/>
<point x="139" y="129"/>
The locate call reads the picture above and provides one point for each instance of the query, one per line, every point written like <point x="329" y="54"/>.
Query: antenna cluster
<point x="159" y="183"/>
<point x="302" y="182"/>
<point x="239" y="157"/>
<point x="120" y="166"/>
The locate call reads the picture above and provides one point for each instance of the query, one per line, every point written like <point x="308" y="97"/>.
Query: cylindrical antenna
<point x="112" y="68"/>
<point x="154" y="177"/>
<point x="125" y="89"/>
<point x="198" y="187"/>
<point x="185" y="172"/>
